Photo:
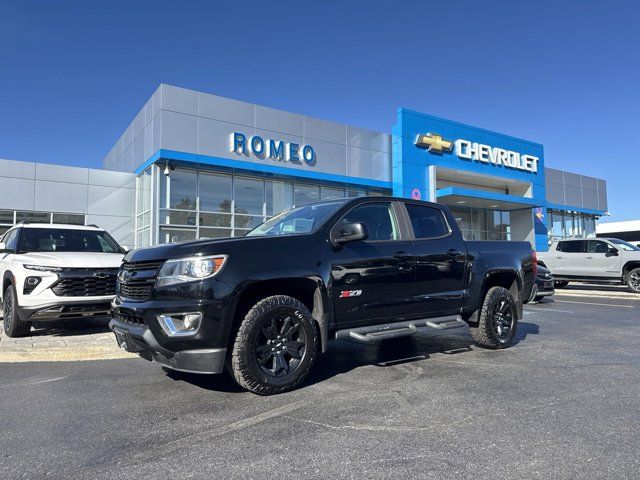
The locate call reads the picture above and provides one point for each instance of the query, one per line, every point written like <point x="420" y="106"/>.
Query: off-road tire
<point x="243" y="364"/>
<point x="633" y="280"/>
<point x="560" y="283"/>
<point x="12" y="325"/>
<point x="484" y="333"/>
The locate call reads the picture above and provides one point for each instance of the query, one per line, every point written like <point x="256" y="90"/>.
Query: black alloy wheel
<point x="502" y="319"/>
<point x="497" y="320"/>
<point x="275" y="346"/>
<point x="281" y="345"/>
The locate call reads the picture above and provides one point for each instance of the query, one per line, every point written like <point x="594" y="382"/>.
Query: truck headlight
<point x="180" y="324"/>
<point x="183" y="270"/>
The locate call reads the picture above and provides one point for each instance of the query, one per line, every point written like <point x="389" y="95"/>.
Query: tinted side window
<point x="427" y="222"/>
<point x="10" y="240"/>
<point x="575" y="246"/>
<point x="379" y="219"/>
<point x="598" y="246"/>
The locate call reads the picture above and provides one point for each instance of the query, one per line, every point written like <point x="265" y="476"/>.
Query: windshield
<point x="624" y="245"/>
<point x="67" y="240"/>
<point x="299" y="220"/>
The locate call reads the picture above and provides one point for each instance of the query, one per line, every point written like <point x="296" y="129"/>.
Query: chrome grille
<point x="86" y="283"/>
<point x="136" y="279"/>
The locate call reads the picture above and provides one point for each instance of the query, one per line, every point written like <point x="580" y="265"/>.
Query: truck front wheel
<point x="497" y="321"/>
<point x="275" y="347"/>
<point x="633" y="280"/>
<point x="13" y="326"/>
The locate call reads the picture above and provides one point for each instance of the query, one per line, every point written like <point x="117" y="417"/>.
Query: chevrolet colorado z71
<point x="266" y="304"/>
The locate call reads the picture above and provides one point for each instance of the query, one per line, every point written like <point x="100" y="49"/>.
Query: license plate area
<point x="127" y="342"/>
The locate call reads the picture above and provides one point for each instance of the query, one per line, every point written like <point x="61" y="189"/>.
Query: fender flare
<point x="518" y="284"/>
<point x="7" y="276"/>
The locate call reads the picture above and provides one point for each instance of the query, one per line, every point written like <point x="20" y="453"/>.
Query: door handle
<point x="559" y="258"/>
<point x="454" y="253"/>
<point x="589" y="257"/>
<point x="402" y="255"/>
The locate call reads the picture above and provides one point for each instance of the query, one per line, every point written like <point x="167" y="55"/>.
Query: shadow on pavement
<point x="70" y="328"/>
<point x="342" y="356"/>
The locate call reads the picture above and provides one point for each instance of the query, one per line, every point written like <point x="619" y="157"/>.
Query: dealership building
<point x="195" y="165"/>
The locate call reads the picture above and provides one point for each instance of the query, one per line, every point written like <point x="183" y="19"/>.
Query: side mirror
<point x="612" y="252"/>
<point x="3" y="248"/>
<point x="349" y="232"/>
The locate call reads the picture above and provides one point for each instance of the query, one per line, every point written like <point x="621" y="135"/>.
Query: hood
<point x="179" y="250"/>
<point x="188" y="249"/>
<point x="72" y="259"/>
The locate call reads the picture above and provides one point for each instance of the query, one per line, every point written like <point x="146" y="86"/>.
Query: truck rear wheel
<point x="275" y="347"/>
<point x="13" y="326"/>
<point x="497" y="321"/>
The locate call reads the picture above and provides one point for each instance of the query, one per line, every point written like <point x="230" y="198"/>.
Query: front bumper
<point x="62" y="311"/>
<point x="139" y="339"/>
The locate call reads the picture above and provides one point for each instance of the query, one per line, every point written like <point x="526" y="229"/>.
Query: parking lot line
<point x="544" y="309"/>
<point x="599" y="304"/>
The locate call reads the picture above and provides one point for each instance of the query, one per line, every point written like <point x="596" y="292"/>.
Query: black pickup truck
<point x="265" y="305"/>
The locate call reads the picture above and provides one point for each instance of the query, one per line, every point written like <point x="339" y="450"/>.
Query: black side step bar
<point x="399" y="329"/>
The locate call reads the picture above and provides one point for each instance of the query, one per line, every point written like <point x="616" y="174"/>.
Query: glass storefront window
<point x="589" y="226"/>
<point x="215" y="220"/>
<point x="247" y="221"/>
<point x="33" y="217"/>
<point x="482" y="224"/>
<point x="171" y="235"/>
<point x="68" y="218"/>
<point x="248" y="195"/>
<point x="330" y="193"/>
<point x="215" y="192"/>
<point x="568" y="224"/>
<point x="306" y="194"/>
<point x="143" y="191"/>
<point x="279" y="196"/>
<point x="353" y="193"/>
<point x="6" y="217"/>
<point x="214" y="233"/>
<point x="178" y="217"/>
<point x="179" y="190"/>
<point x="214" y="205"/>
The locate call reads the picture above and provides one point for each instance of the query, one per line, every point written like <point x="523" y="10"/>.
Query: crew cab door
<point x="373" y="279"/>
<point x="569" y="258"/>
<point x="600" y="262"/>
<point x="441" y="255"/>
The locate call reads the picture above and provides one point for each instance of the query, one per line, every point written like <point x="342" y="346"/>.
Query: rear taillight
<point x="534" y="260"/>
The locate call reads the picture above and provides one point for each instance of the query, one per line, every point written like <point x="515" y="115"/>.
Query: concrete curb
<point x="93" y="352"/>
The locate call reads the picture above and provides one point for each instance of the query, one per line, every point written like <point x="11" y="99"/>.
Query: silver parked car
<point x="598" y="260"/>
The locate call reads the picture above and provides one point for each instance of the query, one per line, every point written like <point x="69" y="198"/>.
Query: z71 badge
<point x="350" y="293"/>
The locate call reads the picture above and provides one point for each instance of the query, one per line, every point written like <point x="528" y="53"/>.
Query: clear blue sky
<point x="565" y="74"/>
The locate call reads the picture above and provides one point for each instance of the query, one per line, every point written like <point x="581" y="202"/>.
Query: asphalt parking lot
<point x="561" y="403"/>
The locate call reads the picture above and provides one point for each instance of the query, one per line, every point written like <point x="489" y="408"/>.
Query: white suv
<point x="52" y="272"/>
<point x="597" y="260"/>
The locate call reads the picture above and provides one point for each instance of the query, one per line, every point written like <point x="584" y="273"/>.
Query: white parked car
<point x="54" y="272"/>
<point x="597" y="260"/>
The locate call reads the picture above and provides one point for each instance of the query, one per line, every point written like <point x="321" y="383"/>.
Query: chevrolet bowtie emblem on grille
<point x="434" y="143"/>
